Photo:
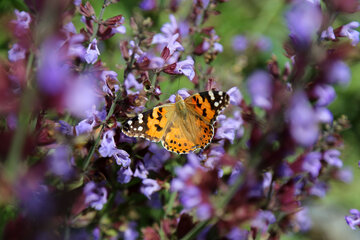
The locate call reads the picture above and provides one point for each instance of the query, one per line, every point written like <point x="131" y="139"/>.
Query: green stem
<point x="171" y="203"/>
<point x="99" y="19"/>
<point x="24" y="117"/>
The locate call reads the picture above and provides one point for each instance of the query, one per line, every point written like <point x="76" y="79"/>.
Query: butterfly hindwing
<point x="208" y="104"/>
<point x="150" y="125"/>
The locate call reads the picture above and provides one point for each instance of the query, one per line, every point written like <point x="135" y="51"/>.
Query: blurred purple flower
<point x="191" y="197"/>
<point x="92" y="52"/>
<point x="81" y="97"/>
<point x="203" y="211"/>
<point x="239" y="43"/>
<point x="338" y="73"/>
<point x="95" y="196"/>
<point x="303" y="220"/>
<point x="77" y="2"/>
<point x="328" y="33"/>
<point x="325" y="94"/>
<point x="37" y="202"/>
<point x="260" y="88"/>
<point x="303" y="20"/>
<point x="173" y="45"/>
<point x="312" y="163"/>
<point x="230" y="128"/>
<point x="235" y="173"/>
<point x="23" y="20"/>
<point x="284" y="170"/>
<point x="119" y="28"/>
<point x="130" y="233"/>
<point x="319" y="189"/>
<point x="354" y="219"/>
<point x="96" y="234"/>
<point x="131" y="82"/>
<point x="186" y="67"/>
<point x="53" y="71"/>
<point x="349" y="32"/>
<point x="237" y="234"/>
<point x="264" y="44"/>
<point x="148" y="5"/>
<point x="267" y="178"/>
<point x="140" y="171"/>
<point x="124" y="175"/>
<point x="331" y="156"/>
<point x="214" y="156"/>
<point x="303" y="120"/>
<point x="235" y="96"/>
<point x="182" y="92"/>
<point x="16" y="53"/>
<point x="324" y="115"/>
<point x="155" y="157"/>
<point x="168" y="30"/>
<point x="345" y="175"/>
<point x="149" y="186"/>
<point x="184" y="29"/>
<point x="263" y="220"/>
<point x="60" y="162"/>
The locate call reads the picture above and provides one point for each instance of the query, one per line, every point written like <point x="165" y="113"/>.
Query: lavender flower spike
<point x="149" y="187"/>
<point x="354" y="220"/>
<point x="95" y="196"/>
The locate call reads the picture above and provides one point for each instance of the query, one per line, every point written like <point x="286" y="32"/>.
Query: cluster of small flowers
<point x="88" y="175"/>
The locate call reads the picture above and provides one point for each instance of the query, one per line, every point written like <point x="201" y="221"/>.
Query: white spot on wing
<point x="211" y="94"/>
<point x="129" y="122"/>
<point x="140" y="128"/>
<point x="216" y="104"/>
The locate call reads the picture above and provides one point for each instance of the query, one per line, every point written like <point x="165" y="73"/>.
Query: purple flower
<point x="332" y="158"/>
<point x="85" y="126"/>
<point x="22" y="21"/>
<point x="81" y="96"/>
<point x="303" y="220"/>
<point x="214" y="157"/>
<point x="230" y="128"/>
<point x="149" y="186"/>
<point x="325" y="94"/>
<point x="53" y="71"/>
<point x="186" y="67"/>
<point x="155" y="157"/>
<point x="182" y="92"/>
<point x="239" y="43"/>
<point x="60" y="162"/>
<point x="237" y="234"/>
<point x="190" y="197"/>
<point x="349" y="32"/>
<point x="95" y="196"/>
<point x="312" y="163"/>
<point x="263" y="220"/>
<point x="260" y="89"/>
<point x="354" y="219"/>
<point x="173" y="45"/>
<point x="124" y="175"/>
<point x="130" y="233"/>
<point x="263" y="44"/>
<point x="338" y="73"/>
<point x="323" y="115"/>
<point x="345" y="175"/>
<point x="77" y="2"/>
<point x="203" y="211"/>
<point x="92" y="52"/>
<point x="235" y="96"/>
<point x="16" y="53"/>
<point x="148" y="5"/>
<point x="303" y="20"/>
<point x="122" y="158"/>
<point x="140" y="171"/>
<point x="319" y="189"/>
<point x="328" y="34"/>
<point x="131" y="82"/>
<point x="109" y="75"/>
<point x="119" y="28"/>
<point x="235" y="173"/>
<point x="303" y="120"/>
<point x="108" y="146"/>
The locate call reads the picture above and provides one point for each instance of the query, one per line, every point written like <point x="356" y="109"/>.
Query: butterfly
<point x="183" y="126"/>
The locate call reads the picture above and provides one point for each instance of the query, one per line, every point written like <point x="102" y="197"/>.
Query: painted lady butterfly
<point x="183" y="126"/>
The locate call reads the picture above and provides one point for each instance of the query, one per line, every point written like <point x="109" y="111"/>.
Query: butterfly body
<point x="183" y="126"/>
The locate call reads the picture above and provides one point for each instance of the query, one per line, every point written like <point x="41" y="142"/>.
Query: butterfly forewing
<point x="150" y="124"/>
<point x="208" y="105"/>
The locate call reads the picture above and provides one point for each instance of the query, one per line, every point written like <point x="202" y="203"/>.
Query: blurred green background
<point x="253" y="19"/>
